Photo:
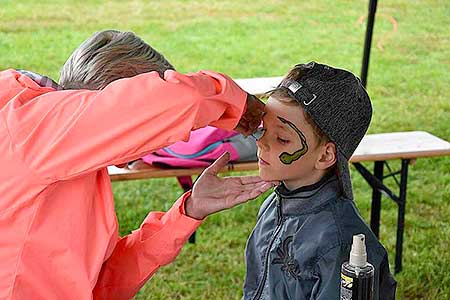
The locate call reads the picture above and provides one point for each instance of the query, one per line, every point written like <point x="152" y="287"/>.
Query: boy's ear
<point x="327" y="157"/>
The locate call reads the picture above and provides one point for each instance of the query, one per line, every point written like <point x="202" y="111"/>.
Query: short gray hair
<point x="107" y="56"/>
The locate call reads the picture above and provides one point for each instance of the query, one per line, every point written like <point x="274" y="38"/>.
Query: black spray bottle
<point x="357" y="273"/>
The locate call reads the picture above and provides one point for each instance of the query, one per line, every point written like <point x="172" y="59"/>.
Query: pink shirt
<point x="58" y="229"/>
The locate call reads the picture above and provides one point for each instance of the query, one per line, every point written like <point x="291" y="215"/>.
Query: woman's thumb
<point x="218" y="164"/>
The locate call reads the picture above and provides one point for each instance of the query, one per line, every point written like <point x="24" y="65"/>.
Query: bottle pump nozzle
<point x="357" y="275"/>
<point x="358" y="254"/>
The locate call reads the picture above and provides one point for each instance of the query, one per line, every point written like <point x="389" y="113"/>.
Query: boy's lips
<point x="263" y="162"/>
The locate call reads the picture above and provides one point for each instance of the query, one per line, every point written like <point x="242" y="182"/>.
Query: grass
<point x="408" y="83"/>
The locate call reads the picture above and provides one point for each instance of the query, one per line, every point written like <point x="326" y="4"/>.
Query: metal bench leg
<point x="376" y="200"/>
<point x="192" y="238"/>
<point x="401" y="215"/>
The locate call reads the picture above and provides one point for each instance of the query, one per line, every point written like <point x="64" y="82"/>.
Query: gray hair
<point x="107" y="56"/>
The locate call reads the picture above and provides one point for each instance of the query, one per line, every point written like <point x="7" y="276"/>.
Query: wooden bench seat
<point x="373" y="147"/>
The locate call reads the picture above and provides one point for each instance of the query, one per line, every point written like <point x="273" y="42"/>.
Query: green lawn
<point x="408" y="82"/>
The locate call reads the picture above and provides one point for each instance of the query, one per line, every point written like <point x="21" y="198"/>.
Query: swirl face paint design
<point x="288" y="158"/>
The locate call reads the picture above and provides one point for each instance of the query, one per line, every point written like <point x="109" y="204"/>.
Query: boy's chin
<point x="266" y="176"/>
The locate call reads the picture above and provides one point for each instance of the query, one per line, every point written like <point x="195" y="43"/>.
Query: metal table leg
<point x="376" y="200"/>
<point x="401" y="215"/>
<point x="376" y="182"/>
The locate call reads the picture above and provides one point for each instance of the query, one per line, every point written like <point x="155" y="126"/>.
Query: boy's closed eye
<point x="283" y="141"/>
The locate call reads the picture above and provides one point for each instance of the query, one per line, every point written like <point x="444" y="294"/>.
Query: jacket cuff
<point x="174" y="230"/>
<point x="178" y="211"/>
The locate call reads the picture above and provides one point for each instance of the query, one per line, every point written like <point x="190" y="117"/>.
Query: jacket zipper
<point x="266" y="266"/>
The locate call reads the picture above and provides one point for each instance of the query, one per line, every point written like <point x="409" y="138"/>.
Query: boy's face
<point x="289" y="148"/>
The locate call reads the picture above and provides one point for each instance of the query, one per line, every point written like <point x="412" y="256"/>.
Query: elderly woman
<point x="58" y="227"/>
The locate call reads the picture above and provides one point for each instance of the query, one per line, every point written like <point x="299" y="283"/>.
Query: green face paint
<point x="288" y="158"/>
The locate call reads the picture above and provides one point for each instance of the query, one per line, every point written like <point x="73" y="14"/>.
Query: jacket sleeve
<point x="137" y="256"/>
<point x="64" y="134"/>
<point x="387" y="283"/>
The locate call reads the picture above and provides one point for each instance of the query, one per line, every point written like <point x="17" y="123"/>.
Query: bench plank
<point x="400" y="145"/>
<point x="373" y="147"/>
<point x="117" y="174"/>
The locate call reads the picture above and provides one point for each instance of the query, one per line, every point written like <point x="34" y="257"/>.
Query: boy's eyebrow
<point x="292" y="125"/>
<point x="282" y="125"/>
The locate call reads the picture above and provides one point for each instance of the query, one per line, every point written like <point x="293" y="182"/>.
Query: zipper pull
<point x="279" y="212"/>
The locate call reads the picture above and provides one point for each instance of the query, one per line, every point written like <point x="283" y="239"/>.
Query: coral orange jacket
<point x="58" y="228"/>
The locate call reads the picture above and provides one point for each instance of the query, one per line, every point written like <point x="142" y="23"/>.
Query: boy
<point x="314" y="121"/>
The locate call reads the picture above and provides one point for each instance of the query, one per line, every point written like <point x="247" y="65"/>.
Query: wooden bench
<point x="377" y="148"/>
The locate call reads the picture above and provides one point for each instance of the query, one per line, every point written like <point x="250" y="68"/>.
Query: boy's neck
<point x="301" y="182"/>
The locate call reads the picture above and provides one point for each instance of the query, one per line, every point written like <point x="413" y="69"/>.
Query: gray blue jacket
<point x="300" y="240"/>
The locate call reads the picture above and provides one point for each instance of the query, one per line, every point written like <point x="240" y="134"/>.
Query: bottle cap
<point x="358" y="254"/>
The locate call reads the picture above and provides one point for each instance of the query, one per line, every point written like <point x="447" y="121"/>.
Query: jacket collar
<point x="308" y="198"/>
<point x="41" y="80"/>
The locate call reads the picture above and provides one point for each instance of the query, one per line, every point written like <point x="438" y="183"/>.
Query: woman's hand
<point x="211" y="193"/>
<point x="252" y="117"/>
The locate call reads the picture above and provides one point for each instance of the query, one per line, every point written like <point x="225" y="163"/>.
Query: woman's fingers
<point x="252" y="117"/>
<point x="244" y="182"/>
<point x="211" y="193"/>
<point x="257" y="186"/>
<point x="248" y="193"/>
<point x="249" y="179"/>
